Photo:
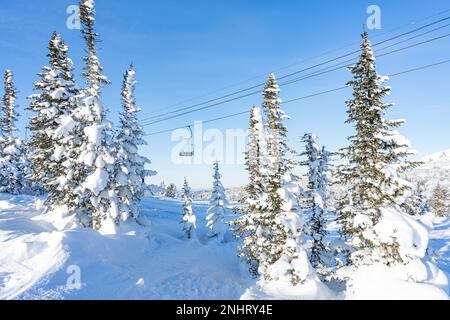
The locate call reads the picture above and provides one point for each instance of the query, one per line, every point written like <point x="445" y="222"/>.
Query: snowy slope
<point x="34" y="258"/>
<point x="144" y="262"/>
<point x="440" y="244"/>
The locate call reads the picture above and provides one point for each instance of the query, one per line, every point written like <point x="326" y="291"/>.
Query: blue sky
<point x="185" y="49"/>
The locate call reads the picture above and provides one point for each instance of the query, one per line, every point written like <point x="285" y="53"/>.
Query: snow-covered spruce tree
<point x="53" y="103"/>
<point x="9" y="106"/>
<point x="314" y="202"/>
<point x="254" y="158"/>
<point x="440" y="201"/>
<point x="373" y="161"/>
<point x="325" y="170"/>
<point x="417" y="204"/>
<point x="217" y="205"/>
<point x="189" y="219"/>
<point x="246" y="226"/>
<point x="130" y="165"/>
<point x="171" y="191"/>
<point x="280" y="226"/>
<point x="95" y="197"/>
<point x="12" y="150"/>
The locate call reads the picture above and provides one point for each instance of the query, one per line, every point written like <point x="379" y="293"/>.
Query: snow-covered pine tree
<point x="12" y="153"/>
<point x="96" y="195"/>
<point x="9" y="93"/>
<point x="276" y="136"/>
<point x="440" y="201"/>
<point x="130" y="165"/>
<point x="417" y="204"/>
<point x="171" y="191"/>
<point x="217" y="205"/>
<point x="280" y="227"/>
<point x="9" y="104"/>
<point x="325" y="170"/>
<point x="254" y="158"/>
<point x="314" y="202"/>
<point x="374" y="160"/>
<point x="246" y="226"/>
<point x="53" y="104"/>
<point x="189" y="219"/>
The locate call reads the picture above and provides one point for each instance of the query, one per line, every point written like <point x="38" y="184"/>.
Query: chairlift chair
<point x="188" y="150"/>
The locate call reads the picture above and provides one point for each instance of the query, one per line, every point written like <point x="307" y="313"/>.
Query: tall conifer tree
<point x="246" y="226"/>
<point x="12" y="150"/>
<point x="97" y="194"/>
<point x="130" y="165"/>
<point x="275" y="241"/>
<point x="53" y="103"/>
<point x="373" y="161"/>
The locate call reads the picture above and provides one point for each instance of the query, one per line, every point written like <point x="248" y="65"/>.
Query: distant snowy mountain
<point x="435" y="169"/>
<point x="442" y="157"/>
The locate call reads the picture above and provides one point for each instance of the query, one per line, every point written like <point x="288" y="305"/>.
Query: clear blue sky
<point x="183" y="49"/>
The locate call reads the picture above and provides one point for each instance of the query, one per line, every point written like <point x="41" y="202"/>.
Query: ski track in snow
<point x="152" y="263"/>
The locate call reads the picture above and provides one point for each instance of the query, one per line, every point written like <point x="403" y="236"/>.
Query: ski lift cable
<point x="306" y="69"/>
<point x="315" y="74"/>
<point x="412" y="22"/>
<point x="304" y="97"/>
<point x="374" y="45"/>
<point x="289" y="82"/>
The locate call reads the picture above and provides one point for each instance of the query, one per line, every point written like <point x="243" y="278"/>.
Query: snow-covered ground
<point x="152" y="263"/>
<point x="440" y="245"/>
<point x="145" y="262"/>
